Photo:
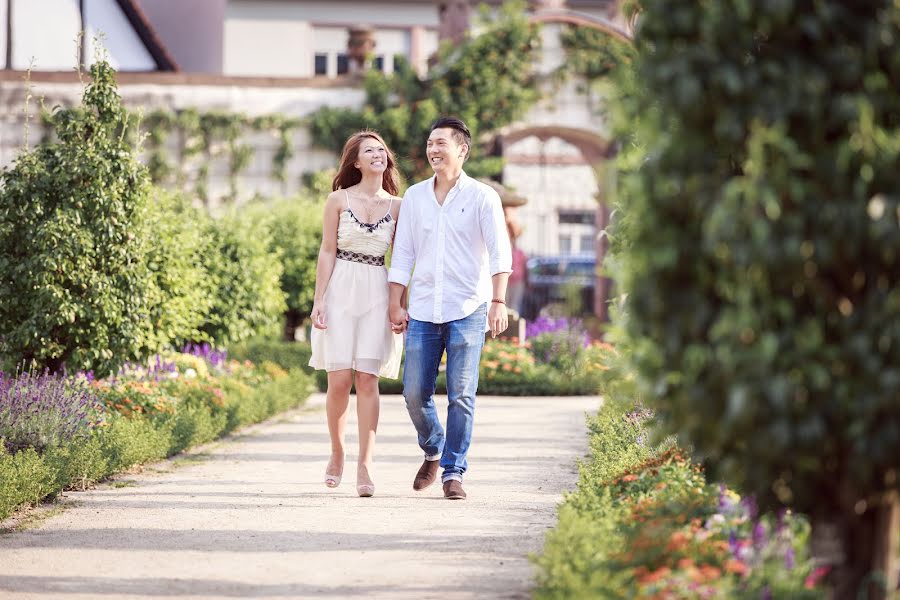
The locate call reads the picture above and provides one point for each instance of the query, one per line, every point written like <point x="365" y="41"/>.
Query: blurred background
<point x="277" y="62"/>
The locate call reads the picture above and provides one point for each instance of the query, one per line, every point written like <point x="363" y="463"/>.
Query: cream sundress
<point x="359" y="332"/>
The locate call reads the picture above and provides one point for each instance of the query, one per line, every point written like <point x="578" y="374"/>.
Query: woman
<point x="352" y="331"/>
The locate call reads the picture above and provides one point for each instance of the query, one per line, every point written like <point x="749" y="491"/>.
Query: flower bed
<point x="559" y="360"/>
<point x="67" y="432"/>
<point x="645" y="523"/>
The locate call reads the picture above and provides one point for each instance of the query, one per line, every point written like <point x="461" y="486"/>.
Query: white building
<point x="291" y="57"/>
<point x="45" y="35"/>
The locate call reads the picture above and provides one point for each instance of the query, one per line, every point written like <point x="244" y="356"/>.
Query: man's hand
<point x="399" y="318"/>
<point x="318" y="315"/>
<point x="497" y="319"/>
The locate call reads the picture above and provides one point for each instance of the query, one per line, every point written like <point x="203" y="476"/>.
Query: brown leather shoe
<point x="426" y="475"/>
<point x="453" y="490"/>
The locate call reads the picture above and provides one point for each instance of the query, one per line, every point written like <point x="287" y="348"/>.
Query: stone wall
<point x="251" y="96"/>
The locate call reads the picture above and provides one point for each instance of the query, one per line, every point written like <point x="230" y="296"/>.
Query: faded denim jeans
<point x="463" y="340"/>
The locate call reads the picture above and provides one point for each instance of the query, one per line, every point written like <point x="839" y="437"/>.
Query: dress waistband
<point x="377" y="261"/>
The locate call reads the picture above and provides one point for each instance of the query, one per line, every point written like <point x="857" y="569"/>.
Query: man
<point x="452" y="230"/>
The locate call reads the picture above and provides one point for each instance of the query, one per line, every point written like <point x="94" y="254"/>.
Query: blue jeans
<point x="425" y="344"/>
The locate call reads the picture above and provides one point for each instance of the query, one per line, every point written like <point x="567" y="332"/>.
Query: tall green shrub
<point x="246" y="278"/>
<point x="295" y="225"/>
<point x="761" y="254"/>
<point x="182" y="293"/>
<point x="73" y="279"/>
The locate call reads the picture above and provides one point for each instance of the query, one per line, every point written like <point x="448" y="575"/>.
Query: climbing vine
<point x="593" y="54"/>
<point x="181" y="145"/>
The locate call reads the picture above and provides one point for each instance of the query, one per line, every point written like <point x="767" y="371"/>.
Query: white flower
<point x="190" y="373"/>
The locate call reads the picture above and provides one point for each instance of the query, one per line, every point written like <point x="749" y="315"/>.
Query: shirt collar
<point x="463" y="182"/>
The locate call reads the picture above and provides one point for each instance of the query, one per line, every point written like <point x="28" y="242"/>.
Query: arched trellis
<point x="568" y="17"/>
<point x="596" y="150"/>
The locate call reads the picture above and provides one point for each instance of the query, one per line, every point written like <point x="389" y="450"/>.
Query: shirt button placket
<point x="439" y="270"/>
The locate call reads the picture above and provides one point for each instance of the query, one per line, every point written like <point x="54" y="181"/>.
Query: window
<point x="343" y="64"/>
<point x="378" y="63"/>
<point x="587" y="242"/>
<point x="321" y="63"/>
<point x="580" y="268"/>
<point x="565" y="244"/>
<point x="576" y="217"/>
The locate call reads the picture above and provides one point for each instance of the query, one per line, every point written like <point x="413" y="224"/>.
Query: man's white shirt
<point x="450" y="251"/>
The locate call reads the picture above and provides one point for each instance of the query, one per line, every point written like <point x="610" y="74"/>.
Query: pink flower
<point x="813" y="578"/>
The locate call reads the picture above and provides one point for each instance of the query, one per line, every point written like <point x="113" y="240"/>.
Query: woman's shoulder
<point x="338" y="196"/>
<point x="395" y="206"/>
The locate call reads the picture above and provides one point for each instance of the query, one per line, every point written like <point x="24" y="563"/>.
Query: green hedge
<point x="295" y="226"/>
<point x="246" y="278"/>
<point x="27" y="477"/>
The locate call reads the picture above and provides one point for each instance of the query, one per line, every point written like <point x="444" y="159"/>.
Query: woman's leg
<point x="367" y="409"/>
<point x="336" y="402"/>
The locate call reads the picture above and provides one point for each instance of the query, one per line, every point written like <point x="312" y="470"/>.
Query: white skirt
<point x="358" y="334"/>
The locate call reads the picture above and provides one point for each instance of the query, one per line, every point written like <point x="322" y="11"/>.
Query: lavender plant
<point x="215" y="357"/>
<point x="44" y="410"/>
<point x="558" y="342"/>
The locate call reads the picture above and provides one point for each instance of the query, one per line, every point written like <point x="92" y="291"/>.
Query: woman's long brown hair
<point x="348" y="175"/>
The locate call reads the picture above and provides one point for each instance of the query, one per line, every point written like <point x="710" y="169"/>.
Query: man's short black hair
<point x="461" y="132"/>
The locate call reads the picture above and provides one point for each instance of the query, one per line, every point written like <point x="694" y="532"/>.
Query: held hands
<point x="318" y="315"/>
<point x="497" y="318"/>
<point x="399" y="318"/>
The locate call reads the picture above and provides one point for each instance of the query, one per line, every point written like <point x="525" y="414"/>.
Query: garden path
<point x="249" y="516"/>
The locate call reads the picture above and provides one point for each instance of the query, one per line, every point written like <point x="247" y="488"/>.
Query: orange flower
<point x="710" y="572"/>
<point x="685" y="563"/>
<point x="736" y="567"/>
<point x="656" y="575"/>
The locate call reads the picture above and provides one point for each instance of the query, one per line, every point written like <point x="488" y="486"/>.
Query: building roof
<point x="141" y="24"/>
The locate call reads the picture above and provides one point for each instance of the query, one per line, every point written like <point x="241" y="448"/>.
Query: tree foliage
<point x="246" y="279"/>
<point x="182" y="293"/>
<point x="760" y="246"/>
<point x="295" y="234"/>
<point x="73" y="278"/>
<point x="486" y="80"/>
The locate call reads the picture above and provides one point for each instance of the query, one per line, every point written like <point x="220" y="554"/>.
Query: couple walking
<point x="451" y="253"/>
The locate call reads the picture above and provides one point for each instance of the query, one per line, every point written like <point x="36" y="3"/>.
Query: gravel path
<point x="248" y="517"/>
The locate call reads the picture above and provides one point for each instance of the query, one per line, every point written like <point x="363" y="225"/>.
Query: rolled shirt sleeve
<point x="496" y="238"/>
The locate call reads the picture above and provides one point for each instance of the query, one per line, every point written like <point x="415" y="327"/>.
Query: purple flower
<point x="779" y="522"/>
<point x="39" y="411"/>
<point x="759" y="535"/>
<point x="749" y="504"/>
<point x="216" y="358"/>
<point x="789" y="559"/>
<point x="733" y="543"/>
<point x="766" y="594"/>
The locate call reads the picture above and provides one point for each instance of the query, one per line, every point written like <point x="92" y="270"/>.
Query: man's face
<point x="444" y="153"/>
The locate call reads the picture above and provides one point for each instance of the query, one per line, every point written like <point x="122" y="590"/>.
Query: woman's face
<point x="372" y="157"/>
